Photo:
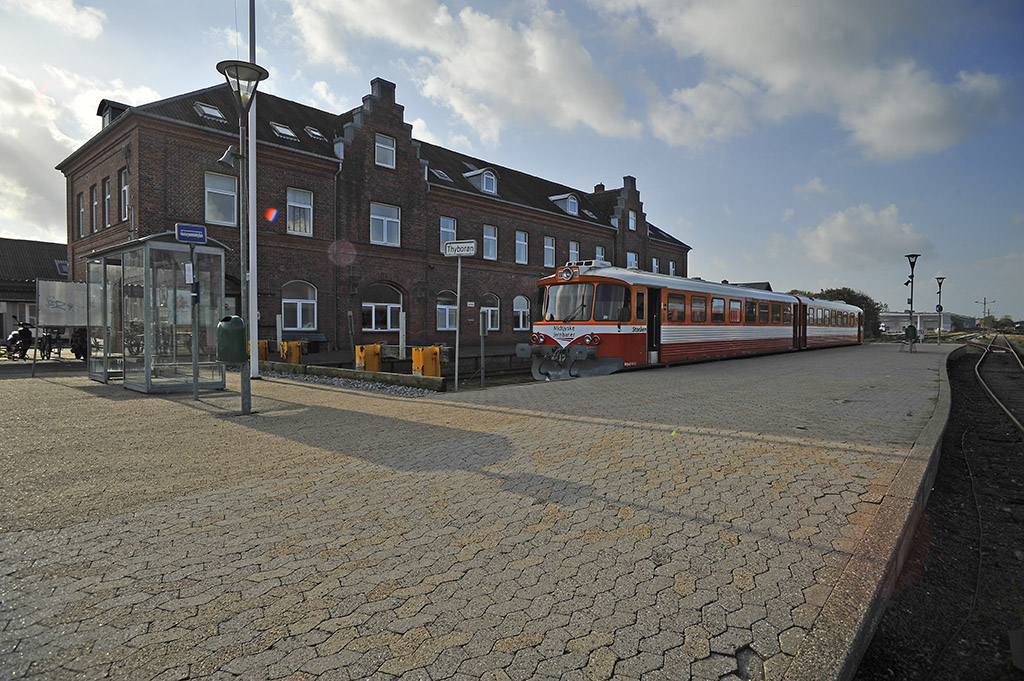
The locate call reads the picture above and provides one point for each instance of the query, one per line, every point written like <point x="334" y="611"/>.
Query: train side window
<point x="750" y="316"/>
<point x="776" y="313"/>
<point x="640" y="312"/>
<point x="762" y="313"/>
<point x="698" y="309"/>
<point x="810" y="316"/>
<point x="609" y="303"/>
<point x="821" y="316"/>
<point x="718" y="310"/>
<point x="676" y="307"/>
<point x="735" y="311"/>
<point x="787" y="314"/>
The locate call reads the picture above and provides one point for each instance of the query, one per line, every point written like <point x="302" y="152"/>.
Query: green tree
<point x="861" y="300"/>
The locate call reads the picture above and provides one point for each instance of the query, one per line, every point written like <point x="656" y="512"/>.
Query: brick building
<point x="352" y="213"/>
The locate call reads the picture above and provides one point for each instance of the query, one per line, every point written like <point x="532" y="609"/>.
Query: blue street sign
<point x="190" y="234"/>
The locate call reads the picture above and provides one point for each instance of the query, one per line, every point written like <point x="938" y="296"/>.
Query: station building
<point x="353" y="213"/>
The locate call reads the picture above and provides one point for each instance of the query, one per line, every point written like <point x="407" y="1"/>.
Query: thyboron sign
<point x="466" y="247"/>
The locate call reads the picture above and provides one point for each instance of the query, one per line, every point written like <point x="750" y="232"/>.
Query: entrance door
<point x="653" y="325"/>
<point x="802" y="322"/>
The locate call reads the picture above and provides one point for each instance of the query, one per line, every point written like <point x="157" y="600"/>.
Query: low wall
<point x="425" y="382"/>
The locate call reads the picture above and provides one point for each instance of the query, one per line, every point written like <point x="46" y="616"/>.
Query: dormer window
<point x="489" y="183"/>
<point x="282" y="130"/>
<point x="314" y="133"/>
<point x="485" y="180"/>
<point x="209" y="111"/>
<point x="567" y="202"/>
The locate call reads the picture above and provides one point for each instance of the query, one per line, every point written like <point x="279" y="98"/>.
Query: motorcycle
<point x="19" y="341"/>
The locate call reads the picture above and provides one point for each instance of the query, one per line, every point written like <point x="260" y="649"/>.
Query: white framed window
<point x="490" y="311"/>
<point x="221" y="199"/>
<point x="549" y="251"/>
<point x="282" y="130"/>
<point x="572" y="206"/>
<point x="489" y="183"/>
<point x="672" y="267"/>
<point x="81" y="216"/>
<point x="521" y="313"/>
<point x="522" y="247"/>
<point x="298" y="306"/>
<point x="632" y="260"/>
<point x="490" y="242"/>
<point x="447" y="310"/>
<point x="210" y="111"/>
<point x="632" y="220"/>
<point x="447" y="231"/>
<point x="106" y="202"/>
<point x="300" y="211"/>
<point x="122" y="180"/>
<point x="599" y="253"/>
<point x="382" y="308"/>
<point x="384" y="151"/>
<point x="574" y="251"/>
<point x="94" y="200"/>
<point x="654" y="265"/>
<point x="385" y="225"/>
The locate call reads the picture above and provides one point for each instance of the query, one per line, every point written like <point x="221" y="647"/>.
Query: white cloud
<point x="788" y="215"/>
<point x="488" y="71"/>
<point x="85" y="22"/>
<point x="39" y="127"/>
<point x="323" y="92"/>
<point x="815" y="185"/>
<point x="421" y="132"/>
<point x="861" y="236"/>
<point x="830" y="56"/>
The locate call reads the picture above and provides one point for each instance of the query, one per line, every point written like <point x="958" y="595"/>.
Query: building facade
<point x="353" y="213"/>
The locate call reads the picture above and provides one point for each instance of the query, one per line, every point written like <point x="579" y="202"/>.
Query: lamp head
<point x="242" y="77"/>
<point x="912" y="257"/>
<point x="940" y="280"/>
<point x="229" y="156"/>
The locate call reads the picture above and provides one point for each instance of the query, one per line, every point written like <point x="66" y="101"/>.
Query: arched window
<point x="521" y="313"/>
<point x="490" y="311"/>
<point x="572" y="206"/>
<point x="298" y="305"/>
<point x="446" y="309"/>
<point x="382" y="308"/>
<point x="489" y="183"/>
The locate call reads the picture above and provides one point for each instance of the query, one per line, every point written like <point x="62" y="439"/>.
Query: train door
<point x="795" y="310"/>
<point x="801" y="322"/>
<point x="653" y="325"/>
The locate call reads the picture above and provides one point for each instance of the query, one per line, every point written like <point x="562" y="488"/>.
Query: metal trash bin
<point x="231" y="341"/>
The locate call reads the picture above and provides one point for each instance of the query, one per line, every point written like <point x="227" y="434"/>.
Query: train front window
<point x="569" y="302"/>
<point x="611" y="304"/>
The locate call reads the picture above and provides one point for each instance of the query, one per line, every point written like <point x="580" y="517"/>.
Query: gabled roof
<point x="514" y="186"/>
<point x="22" y="260"/>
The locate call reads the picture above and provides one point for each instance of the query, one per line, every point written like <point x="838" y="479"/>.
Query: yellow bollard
<point x="426" y="361"/>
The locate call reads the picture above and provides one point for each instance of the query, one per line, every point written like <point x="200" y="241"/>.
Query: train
<point x="598" y="319"/>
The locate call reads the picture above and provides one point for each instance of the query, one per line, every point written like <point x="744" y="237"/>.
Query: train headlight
<point x="566" y="273"/>
<point x="537" y="338"/>
<point x="588" y="339"/>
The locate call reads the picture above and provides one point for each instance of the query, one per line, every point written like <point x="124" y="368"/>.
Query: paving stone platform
<point x="730" y="520"/>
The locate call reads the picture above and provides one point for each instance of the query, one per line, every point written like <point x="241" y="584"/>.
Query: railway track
<point x="1001" y="373"/>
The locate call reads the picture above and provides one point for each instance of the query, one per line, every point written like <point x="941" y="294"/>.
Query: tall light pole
<point x="938" y="308"/>
<point x="912" y="257"/>
<point x="984" y="302"/>
<point x="243" y="77"/>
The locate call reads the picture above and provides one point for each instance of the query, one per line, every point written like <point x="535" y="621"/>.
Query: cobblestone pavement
<point x="682" y="523"/>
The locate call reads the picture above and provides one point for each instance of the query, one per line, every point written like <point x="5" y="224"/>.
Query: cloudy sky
<point x="810" y="143"/>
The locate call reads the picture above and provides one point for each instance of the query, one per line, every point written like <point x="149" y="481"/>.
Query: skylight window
<point x="62" y="267"/>
<point x="282" y="130"/>
<point x="589" y="214"/>
<point x="441" y="174"/>
<point x="210" y="111"/>
<point x="315" y="134"/>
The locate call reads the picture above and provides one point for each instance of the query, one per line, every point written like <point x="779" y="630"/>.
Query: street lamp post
<point x="938" y="308"/>
<point x="243" y="77"/>
<point x="912" y="257"/>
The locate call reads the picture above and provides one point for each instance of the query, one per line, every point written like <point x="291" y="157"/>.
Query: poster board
<point x="61" y="303"/>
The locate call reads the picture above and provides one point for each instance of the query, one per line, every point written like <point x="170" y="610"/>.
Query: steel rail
<point x="992" y="395"/>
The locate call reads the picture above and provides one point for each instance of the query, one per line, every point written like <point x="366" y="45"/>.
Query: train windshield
<point x="569" y="302"/>
<point x="610" y="303"/>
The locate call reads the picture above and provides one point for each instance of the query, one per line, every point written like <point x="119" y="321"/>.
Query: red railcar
<point x="598" y="319"/>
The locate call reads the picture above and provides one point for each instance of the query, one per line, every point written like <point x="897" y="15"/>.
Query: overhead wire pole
<point x="254" y="362"/>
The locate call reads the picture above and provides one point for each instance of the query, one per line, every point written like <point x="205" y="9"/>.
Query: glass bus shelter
<point x="140" y="314"/>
